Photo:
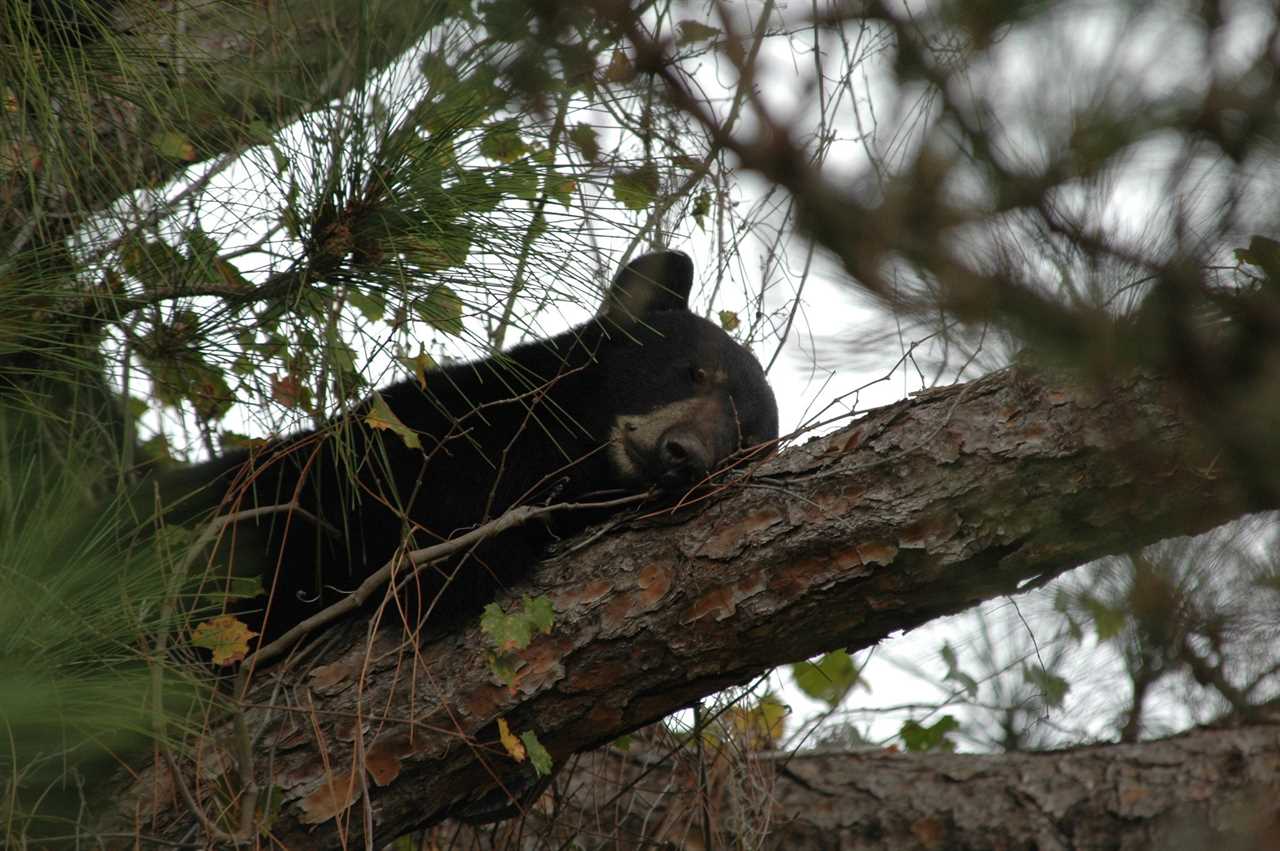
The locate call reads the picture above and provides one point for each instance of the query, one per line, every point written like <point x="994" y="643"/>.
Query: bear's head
<point x="684" y="394"/>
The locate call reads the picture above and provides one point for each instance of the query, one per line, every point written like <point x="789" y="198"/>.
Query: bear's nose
<point x="683" y="456"/>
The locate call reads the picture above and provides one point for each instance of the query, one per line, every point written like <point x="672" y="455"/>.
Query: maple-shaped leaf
<point x="226" y="637"/>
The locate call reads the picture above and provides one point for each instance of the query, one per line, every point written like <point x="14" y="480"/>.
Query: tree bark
<point x="913" y="511"/>
<point x="1216" y="788"/>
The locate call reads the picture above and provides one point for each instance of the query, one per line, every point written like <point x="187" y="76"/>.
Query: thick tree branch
<point x="915" y="510"/>
<point x="1187" y="793"/>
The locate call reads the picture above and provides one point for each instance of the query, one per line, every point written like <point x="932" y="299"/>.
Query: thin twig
<point x="420" y="558"/>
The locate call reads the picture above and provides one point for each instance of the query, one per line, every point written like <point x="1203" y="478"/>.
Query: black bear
<point x="646" y="394"/>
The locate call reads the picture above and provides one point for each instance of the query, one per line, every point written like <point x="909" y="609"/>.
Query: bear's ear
<point x="650" y="283"/>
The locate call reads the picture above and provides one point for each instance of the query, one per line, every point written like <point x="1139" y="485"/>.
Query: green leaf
<point x="474" y="190"/>
<point x="182" y="376"/>
<point x="373" y="305"/>
<point x="242" y="588"/>
<point x="829" y="679"/>
<point x="503" y="666"/>
<point x="504" y="630"/>
<point x="540" y="612"/>
<point x="561" y="189"/>
<point x="260" y="132"/>
<point x="954" y="674"/>
<point x="174" y="145"/>
<point x="291" y="221"/>
<point x="537" y="227"/>
<point x="466" y="103"/>
<point x="518" y="180"/>
<point x="441" y="309"/>
<point x="502" y="142"/>
<point x="200" y="246"/>
<point x="280" y="158"/>
<point x="918" y="738"/>
<point x="515" y="629"/>
<point x="341" y="354"/>
<point x="438" y="73"/>
<point x="729" y="320"/>
<point x="135" y="408"/>
<point x="205" y="264"/>
<point x="505" y="20"/>
<point x="538" y="756"/>
<point x="1053" y="688"/>
<point x="636" y="189"/>
<point x="1108" y="621"/>
<point x="694" y="31"/>
<point x="441" y="250"/>
<point x="157" y="265"/>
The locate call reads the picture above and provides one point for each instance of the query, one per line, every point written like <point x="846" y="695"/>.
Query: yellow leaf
<point x="381" y="416"/>
<point x="227" y="637"/>
<point x="510" y="742"/>
<point x="421" y="364"/>
<point x="760" y="727"/>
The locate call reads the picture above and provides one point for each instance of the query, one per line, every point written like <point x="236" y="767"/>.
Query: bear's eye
<point x="698" y="376"/>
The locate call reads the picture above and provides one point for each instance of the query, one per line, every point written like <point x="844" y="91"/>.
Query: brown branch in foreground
<point x="917" y="510"/>
<point x="1187" y="793"/>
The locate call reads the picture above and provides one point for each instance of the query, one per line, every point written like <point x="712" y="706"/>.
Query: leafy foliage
<point x="240" y="240"/>
<point x="285" y="222"/>
<point x="82" y="619"/>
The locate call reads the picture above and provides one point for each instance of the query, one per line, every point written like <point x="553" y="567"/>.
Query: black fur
<point x="645" y="394"/>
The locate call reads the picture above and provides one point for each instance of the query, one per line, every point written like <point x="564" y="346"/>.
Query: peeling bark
<point x="913" y="511"/>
